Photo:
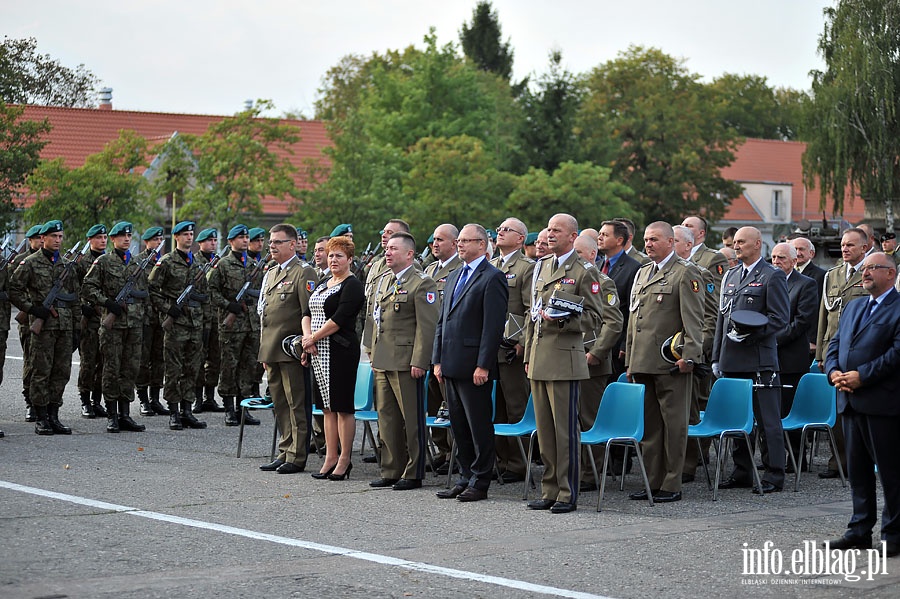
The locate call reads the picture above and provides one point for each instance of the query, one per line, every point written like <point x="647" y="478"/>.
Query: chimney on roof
<point x="106" y="98"/>
<point x="248" y="105"/>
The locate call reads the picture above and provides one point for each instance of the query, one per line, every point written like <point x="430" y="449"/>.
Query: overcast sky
<point x="208" y="56"/>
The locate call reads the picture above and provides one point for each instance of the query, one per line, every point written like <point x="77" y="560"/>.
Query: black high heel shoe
<point x="323" y="475"/>
<point x="346" y="473"/>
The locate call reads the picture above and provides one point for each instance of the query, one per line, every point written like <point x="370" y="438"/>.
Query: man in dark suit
<point x="755" y="286"/>
<point x="806" y="251"/>
<point x="793" y="341"/>
<point x="621" y="268"/>
<point x="862" y="362"/>
<point x="466" y="342"/>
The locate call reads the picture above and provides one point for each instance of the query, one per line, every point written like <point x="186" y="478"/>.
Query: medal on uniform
<point x="557" y="286"/>
<point x="396" y="307"/>
<point x="659" y="298"/>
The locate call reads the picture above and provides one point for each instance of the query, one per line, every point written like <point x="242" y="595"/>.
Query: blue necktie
<point x="460" y="284"/>
<point x="870" y="310"/>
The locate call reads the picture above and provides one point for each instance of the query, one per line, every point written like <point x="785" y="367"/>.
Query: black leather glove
<point x="88" y="311"/>
<point x="39" y="311"/>
<point x="113" y="307"/>
<point x="174" y="311"/>
<point x="234" y="308"/>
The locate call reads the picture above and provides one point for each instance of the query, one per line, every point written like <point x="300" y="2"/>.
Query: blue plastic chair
<point x="814" y="409"/>
<point x="620" y="421"/>
<point x="364" y="402"/>
<point x="526" y="427"/>
<point x="728" y="415"/>
<point x="623" y="378"/>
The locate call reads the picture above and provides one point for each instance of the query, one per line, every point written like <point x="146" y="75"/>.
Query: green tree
<point x="453" y="180"/>
<point x="751" y="108"/>
<point x="106" y="189"/>
<point x="548" y="136"/>
<point x="482" y="43"/>
<point x="649" y="119"/>
<point x="20" y="154"/>
<point x="583" y="190"/>
<point x="27" y="77"/>
<point x="855" y="145"/>
<point x="231" y="167"/>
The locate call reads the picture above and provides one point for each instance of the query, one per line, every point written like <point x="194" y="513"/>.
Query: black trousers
<point x="767" y="410"/>
<point x="473" y="430"/>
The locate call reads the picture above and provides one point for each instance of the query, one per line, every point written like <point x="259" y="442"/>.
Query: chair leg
<point x="755" y="471"/>
<point x="274" y="433"/>
<point x="603" y="479"/>
<point x="528" y="465"/>
<point x="241" y="435"/>
<point x="450" y="462"/>
<point x="594" y="467"/>
<point x="721" y="449"/>
<point x="640" y="457"/>
<point x="787" y="442"/>
<point x="703" y="459"/>
<point x="835" y="453"/>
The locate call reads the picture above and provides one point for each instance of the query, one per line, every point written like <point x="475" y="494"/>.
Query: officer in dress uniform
<point x="90" y="371"/>
<point x="182" y="340"/>
<point x="104" y="281"/>
<point x="34" y="245"/>
<point x="239" y="332"/>
<point x="153" y="366"/>
<point x="555" y="359"/>
<point x="51" y="348"/>
<point x="405" y="319"/>
<point x="211" y="353"/>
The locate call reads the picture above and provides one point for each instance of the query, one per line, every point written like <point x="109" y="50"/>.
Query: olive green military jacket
<point x="404" y="318"/>
<point x="638" y="255"/>
<point x="555" y="350"/>
<point x="81" y="270"/>
<point x="440" y="274"/>
<point x="5" y="306"/>
<point x="33" y="280"/>
<point x="284" y="298"/>
<point x="106" y="278"/>
<point x="225" y="281"/>
<point x="518" y="270"/>
<point x="837" y="292"/>
<point x="600" y="343"/>
<point x="662" y="304"/>
<point x="171" y="275"/>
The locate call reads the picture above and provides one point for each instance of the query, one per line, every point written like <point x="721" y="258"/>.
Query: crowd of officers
<point x="187" y="323"/>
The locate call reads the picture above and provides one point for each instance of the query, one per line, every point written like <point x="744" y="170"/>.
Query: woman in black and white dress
<point x="332" y="346"/>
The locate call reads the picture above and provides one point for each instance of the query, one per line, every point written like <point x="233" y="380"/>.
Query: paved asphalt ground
<point x="175" y="514"/>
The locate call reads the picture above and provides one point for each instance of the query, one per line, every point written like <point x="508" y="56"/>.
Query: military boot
<point x="126" y="423"/>
<point x="198" y="400"/>
<point x="174" y="417"/>
<point x="188" y="419"/>
<point x="144" y="398"/>
<point x="29" y="410"/>
<point x="248" y="414"/>
<point x="231" y="418"/>
<point x="154" y="402"/>
<point x="53" y="418"/>
<point x="42" y="421"/>
<point x="97" y="401"/>
<point x="87" y="407"/>
<point x="209" y="401"/>
<point x="112" y="417"/>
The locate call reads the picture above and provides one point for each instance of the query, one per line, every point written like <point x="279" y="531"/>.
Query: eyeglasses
<point x="278" y="241"/>
<point x="868" y="267"/>
<point x="462" y="241"/>
<point x="508" y="230"/>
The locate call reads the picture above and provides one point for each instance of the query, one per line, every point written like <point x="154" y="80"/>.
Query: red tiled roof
<point x="767" y="160"/>
<point x="78" y="132"/>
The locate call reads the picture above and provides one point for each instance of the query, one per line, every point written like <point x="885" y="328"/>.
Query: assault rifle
<point x="189" y="290"/>
<point x="128" y="290"/>
<point x="5" y="260"/>
<point x="70" y="260"/>
<point x="246" y="291"/>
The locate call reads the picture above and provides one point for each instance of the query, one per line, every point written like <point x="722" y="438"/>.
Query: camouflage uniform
<point x="210" y="358"/>
<point x="119" y="345"/>
<point x="239" y="343"/>
<point x="182" y="343"/>
<point x="152" y="366"/>
<point x="24" y="341"/>
<point x="5" y="314"/>
<point x="90" y="371"/>
<point x="50" y="354"/>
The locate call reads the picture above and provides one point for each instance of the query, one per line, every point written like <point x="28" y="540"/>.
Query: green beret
<point x="237" y="231"/>
<point x="207" y="234"/>
<point x="52" y="226"/>
<point x="257" y="233"/>
<point x="96" y="230"/>
<point x="121" y="229"/>
<point x="184" y="226"/>
<point x="301" y="233"/>
<point x="530" y="238"/>
<point x="491" y="233"/>
<point x="34" y="231"/>
<point x="151" y="233"/>
<point x="341" y="230"/>
<point x="430" y="239"/>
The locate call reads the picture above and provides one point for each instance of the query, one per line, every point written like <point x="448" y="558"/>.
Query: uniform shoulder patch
<point x="710" y="288"/>
<point x="720" y="269"/>
<point x="611" y="299"/>
<point x="595" y="287"/>
<point x="695" y="285"/>
<point x="310" y="286"/>
<point x="430" y="297"/>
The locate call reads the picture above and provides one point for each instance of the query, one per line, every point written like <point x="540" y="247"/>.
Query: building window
<point x="777" y="204"/>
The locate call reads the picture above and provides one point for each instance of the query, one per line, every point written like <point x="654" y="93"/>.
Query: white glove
<point x="717" y="372"/>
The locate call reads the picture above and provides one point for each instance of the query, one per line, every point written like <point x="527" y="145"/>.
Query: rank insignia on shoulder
<point x="595" y="287"/>
<point x="720" y="269"/>
<point x="310" y="285"/>
<point x="430" y="297"/>
<point x="695" y="286"/>
<point x="588" y="265"/>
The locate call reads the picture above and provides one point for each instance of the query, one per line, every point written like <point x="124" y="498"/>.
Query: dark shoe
<point x="197" y="407"/>
<point x="323" y="475"/>
<point x="830" y="474"/>
<point x="512" y="477"/>
<point x="541" y="504"/>
<point x="687" y="478"/>
<point x="209" y="403"/>
<point x="126" y="422"/>
<point x="249" y="419"/>
<point x="29" y="413"/>
<point x="371" y="459"/>
<point x="271" y="466"/>
<point x="472" y="494"/>
<point x="289" y="468"/>
<point x="438" y="464"/>
<point x="344" y="475"/>
<point x="891" y="549"/>
<point x="154" y="402"/>
<point x="733" y="483"/>
<point x="112" y="418"/>
<point x="407" y="484"/>
<point x="97" y="400"/>
<point x="53" y="417"/>
<point x="767" y="487"/>
<point x="851" y="542"/>
<point x="642" y="495"/>
<point x="42" y="421"/>
<point x="188" y="419"/>
<point x="144" y="399"/>
<point x="231" y="419"/>
<point x="666" y="496"/>
<point x="451" y="493"/>
<point x="174" y="418"/>
<point x="383" y="482"/>
<point x="87" y="408"/>
<point x="563" y="507"/>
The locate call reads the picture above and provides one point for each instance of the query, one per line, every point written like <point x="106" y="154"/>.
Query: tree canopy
<point x="27" y="77"/>
<point x="482" y="42"/>
<point x="20" y="150"/>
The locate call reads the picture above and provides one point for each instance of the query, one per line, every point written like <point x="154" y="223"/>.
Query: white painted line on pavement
<point x="330" y="549"/>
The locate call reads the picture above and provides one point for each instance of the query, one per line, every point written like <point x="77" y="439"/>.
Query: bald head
<point x="878" y="273"/>
<point x="697" y="226"/>
<point x="586" y="247"/>
<point x="748" y="245"/>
